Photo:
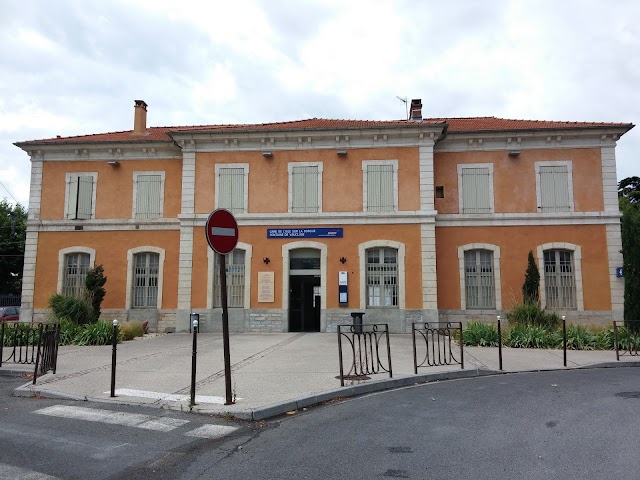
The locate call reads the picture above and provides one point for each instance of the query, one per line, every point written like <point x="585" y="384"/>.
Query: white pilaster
<point x="426" y="177"/>
<point x="429" y="278"/>
<point x="185" y="260"/>
<point x="609" y="179"/>
<point x="31" y="242"/>
<point x="614" y="246"/>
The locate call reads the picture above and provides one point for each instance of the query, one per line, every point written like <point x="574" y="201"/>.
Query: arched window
<point x="146" y="275"/>
<point x="235" y="268"/>
<point x="479" y="266"/>
<point x="73" y="264"/>
<point x="559" y="279"/>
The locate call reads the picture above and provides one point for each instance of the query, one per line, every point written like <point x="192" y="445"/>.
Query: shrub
<point x="99" y="333"/>
<point x="130" y="330"/>
<point x="578" y="338"/>
<point x="532" y="314"/>
<point x="76" y="309"/>
<point x="478" y="333"/>
<point x="68" y="332"/>
<point x="527" y="336"/>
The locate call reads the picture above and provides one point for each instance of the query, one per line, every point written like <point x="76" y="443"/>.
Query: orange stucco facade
<point x="403" y="261"/>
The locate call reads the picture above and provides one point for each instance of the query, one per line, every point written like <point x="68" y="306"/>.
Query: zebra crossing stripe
<point x="211" y="431"/>
<point x="158" y="424"/>
<point x="11" y="471"/>
<point x="168" y="397"/>
<point x="161" y="424"/>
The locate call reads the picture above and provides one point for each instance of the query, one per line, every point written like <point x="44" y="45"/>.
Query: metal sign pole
<point x="225" y="329"/>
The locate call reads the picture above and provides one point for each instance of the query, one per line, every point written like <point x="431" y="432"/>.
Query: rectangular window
<point x="559" y="279"/>
<point x="553" y="188"/>
<point x="149" y="194"/>
<point x="476" y="189"/>
<point x="145" y="280"/>
<point x="382" y="277"/>
<point x="479" y="280"/>
<point x="74" y="275"/>
<point x="305" y="187"/>
<point x="231" y="189"/>
<point x="80" y="196"/>
<point x="234" y="263"/>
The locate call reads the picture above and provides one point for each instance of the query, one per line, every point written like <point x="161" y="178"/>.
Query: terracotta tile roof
<point x="468" y="124"/>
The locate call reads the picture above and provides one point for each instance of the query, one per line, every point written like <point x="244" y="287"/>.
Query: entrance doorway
<point x="304" y="290"/>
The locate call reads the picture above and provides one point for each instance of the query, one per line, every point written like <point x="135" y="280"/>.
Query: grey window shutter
<point x="231" y="185"/>
<point x="304" y="186"/>
<point x="149" y="194"/>
<point x="476" y="192"/>
<point x="72" y="196"/>
<point x="85" y="197"/>
<point x="380" y="196"/>
<point x="554" y="188"/>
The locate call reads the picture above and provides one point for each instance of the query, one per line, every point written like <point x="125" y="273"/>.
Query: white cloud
<point x="74" y="67"/>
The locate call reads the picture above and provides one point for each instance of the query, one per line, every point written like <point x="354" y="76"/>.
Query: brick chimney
<point x="416" y="109"/>
<point x="140" y="117"/>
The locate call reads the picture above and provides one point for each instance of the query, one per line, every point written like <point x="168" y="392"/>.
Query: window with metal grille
<point x="234" y="264"/>
<point x="304" y="189"/>
<point x="476" y="190"/>
<point x="554" y="188"/>
<point x="231" y="193"/>
<point x="480" y="291"/>
<point x="559" y="279"/>
<point x="149" y="195"/>
<point x="382" y="277"/>
<point x="145" y="280"/>
<point x="80" y="196"/>
<point x="380" y="197"/>
<point x="74" y="276"/>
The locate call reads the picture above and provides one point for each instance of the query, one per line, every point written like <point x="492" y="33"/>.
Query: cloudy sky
<point x="75" y="67"/>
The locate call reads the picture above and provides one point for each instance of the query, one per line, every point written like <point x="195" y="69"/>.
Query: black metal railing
<point x="24" y="343"/>
<point x="626" y="337"/>
<point x="364" y="342"/>
<point x="439" y="344"/>
<point x="10" y="300"/>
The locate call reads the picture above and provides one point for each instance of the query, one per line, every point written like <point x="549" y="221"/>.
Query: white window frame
<point x="69" y="250"/>
<point x="134" y="206"/>
<point x="130" y="266"/>
<point x="291" y="166"/>
<point x="362" y="253"/>
<point x="569" y="165"/>
<point x="496" y="272"/>
<point x="365" y="166"/>
<point x="461" y="167"/>
<point x="94" y="176"/>
<point x="245" y="167"/>
<point x="248" y="253"/>
<point x="577" y="266"/>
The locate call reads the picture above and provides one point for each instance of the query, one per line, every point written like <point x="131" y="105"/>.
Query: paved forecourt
<point x="271" y="373"/>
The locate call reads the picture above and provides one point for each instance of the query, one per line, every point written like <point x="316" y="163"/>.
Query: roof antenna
<point x="406" y="105"/>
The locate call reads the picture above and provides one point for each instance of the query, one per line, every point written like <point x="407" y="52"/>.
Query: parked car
<point x="8" y="314"/>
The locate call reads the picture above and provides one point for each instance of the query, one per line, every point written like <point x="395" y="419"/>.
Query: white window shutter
<point x="554" y="188"/>
<point x="380" y="197"/>
<point x="148" y="199"/>
<point x="231" y="185"/>
<point x="304" y="189"/>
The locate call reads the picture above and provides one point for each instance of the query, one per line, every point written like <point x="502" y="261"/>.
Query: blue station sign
<point x="304" y="232"/>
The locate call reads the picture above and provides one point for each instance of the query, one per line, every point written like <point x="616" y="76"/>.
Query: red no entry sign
<point x="222" y="231"/>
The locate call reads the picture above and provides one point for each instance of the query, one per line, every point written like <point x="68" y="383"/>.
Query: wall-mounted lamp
<point x="113" y="163"/>
<point x="342" y="153"/>
<point x="267" y="154"/>
<point x="514" y="153"/>
<point x="343" y="259"/>
<point x="266" y="260"/>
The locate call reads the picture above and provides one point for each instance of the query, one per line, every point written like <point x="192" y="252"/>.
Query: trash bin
<point x="357" y="321"/>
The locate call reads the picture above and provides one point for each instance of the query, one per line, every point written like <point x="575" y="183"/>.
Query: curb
<point x="301" y="403"/>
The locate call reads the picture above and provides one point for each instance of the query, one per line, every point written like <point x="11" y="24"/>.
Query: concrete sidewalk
<point x="271" y="373"/>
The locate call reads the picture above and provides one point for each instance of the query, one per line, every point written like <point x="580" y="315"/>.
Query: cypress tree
<point x="631" y="265"/>
<point x="531" y="285"/>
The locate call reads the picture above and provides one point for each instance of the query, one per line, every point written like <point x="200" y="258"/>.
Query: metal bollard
<point x="564" y="339"/>
<point x="194" y="356"/>
<point x="499" y="344"/>
<point x="114" y="342"/>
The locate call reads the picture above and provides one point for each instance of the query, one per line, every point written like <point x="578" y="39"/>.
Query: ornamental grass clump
<point x="131" y="330"/>
<point x="532" y="314"/>
<point x="480" y="334"/>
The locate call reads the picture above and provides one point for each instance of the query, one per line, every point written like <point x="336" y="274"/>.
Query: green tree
<point x="13" y="232"/>
<point x="94" y="284"/>
<point x="531" y="286"/>
<point x="629" y="197"/>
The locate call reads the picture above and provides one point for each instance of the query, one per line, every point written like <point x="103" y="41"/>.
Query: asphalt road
<point x="577" y="424"/>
